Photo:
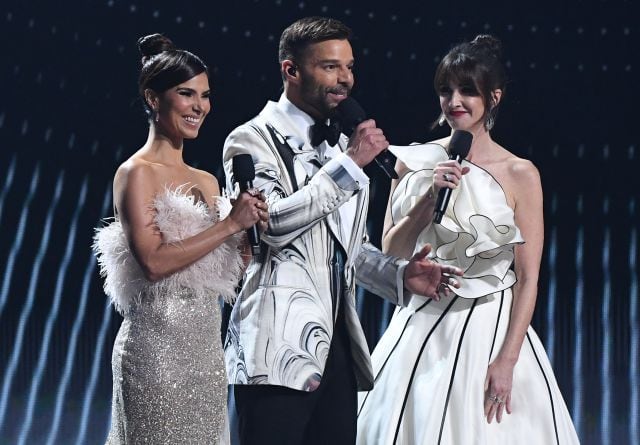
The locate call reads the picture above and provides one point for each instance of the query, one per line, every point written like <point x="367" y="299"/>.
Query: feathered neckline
<point x="178" y="215"/>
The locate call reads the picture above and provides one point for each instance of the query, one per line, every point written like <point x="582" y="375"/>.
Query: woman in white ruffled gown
<point x="173" y="248"/>
<point x="467" y="368"/>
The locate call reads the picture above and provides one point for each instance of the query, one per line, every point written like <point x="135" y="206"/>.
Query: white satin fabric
<point x="431" y="363"/>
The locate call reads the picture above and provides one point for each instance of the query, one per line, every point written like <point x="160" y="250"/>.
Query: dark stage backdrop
<point x="69" y="115"/>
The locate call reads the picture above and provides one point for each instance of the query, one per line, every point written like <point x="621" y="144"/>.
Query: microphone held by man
<point x="351" y="114"/>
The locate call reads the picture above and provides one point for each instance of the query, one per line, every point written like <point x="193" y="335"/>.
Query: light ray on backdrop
<point x="69" y="115"/>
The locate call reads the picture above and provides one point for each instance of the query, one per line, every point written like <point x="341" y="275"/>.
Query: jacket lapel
<point x="306" y="161"/>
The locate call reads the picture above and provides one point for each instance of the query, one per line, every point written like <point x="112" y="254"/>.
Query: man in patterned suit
<point x="295" y="350"/>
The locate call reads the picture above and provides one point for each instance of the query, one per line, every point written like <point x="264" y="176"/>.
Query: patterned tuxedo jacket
<point x="282" y="322"/>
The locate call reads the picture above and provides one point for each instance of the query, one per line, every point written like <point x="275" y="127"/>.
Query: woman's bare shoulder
<point x="135" y="169"/>
<point x="207" y="182"/>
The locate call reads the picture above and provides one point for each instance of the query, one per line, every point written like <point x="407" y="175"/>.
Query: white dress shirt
<point x="325" y="152"/>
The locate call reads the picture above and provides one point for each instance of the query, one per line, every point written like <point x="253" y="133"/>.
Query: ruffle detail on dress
<point x="177" y="217"/>
<point x="467" y="237"/>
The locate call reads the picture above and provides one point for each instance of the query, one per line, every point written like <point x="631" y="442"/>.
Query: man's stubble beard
<point x="315" y="97"/>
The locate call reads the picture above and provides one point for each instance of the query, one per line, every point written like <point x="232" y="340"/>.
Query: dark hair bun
<point x="154" y="44"/>
<point x="489" y="44"/>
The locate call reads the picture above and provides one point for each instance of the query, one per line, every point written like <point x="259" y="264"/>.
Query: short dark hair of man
<point x="306" y="31"/>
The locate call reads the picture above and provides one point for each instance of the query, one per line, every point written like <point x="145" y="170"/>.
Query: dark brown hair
<point x="304" y="32"/>
<point x="476" y="64"/>
<point x="165" y="66"/>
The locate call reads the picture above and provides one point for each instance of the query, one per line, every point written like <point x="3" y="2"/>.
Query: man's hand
<point x="425" y="277"/>
<point x="366" y="143"/>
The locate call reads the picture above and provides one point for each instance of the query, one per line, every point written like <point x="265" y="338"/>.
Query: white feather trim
<point x="177" y="217"/>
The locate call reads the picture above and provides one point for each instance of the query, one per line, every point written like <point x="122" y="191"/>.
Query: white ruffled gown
<point x="430" y="365"/>
<point x="169" y="378"/>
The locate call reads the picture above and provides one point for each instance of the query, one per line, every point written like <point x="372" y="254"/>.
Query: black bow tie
<point x="320" y="132"/>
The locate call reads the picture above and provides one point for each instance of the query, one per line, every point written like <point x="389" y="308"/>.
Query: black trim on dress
<point x="495" y="331"/>
<point x="453" y="371"/>
<point x="375" y="379"/>
<point x="546" y="381"/>
<point x="415" y="366"/>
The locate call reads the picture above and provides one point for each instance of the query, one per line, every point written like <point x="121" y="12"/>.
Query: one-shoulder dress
<point x="431" y="363"/>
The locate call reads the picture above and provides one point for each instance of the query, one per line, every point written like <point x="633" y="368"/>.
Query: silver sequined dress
<point x="169" y="379"/>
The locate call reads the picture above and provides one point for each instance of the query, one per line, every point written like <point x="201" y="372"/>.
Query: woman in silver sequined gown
<point x="171" y="251"/>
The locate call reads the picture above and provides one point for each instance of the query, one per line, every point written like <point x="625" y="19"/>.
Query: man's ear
<point x="289" y="71"/>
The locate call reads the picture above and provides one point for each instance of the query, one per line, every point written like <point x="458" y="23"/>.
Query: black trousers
<point x="270" y="414"/>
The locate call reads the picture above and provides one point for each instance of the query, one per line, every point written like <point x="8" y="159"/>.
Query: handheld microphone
<point x="244" y="173"/>
<point x="350" y="115"/>
<point x="459" y="146"/>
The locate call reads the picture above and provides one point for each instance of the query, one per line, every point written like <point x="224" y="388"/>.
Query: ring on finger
<point x="445" y="177"/>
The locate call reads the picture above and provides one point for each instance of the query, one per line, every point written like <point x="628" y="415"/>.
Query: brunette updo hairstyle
<point x="475" y="64"/>
<point x="164" y="66"/>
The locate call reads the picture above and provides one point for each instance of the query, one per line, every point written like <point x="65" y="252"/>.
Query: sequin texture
<point x="169" y="381"/>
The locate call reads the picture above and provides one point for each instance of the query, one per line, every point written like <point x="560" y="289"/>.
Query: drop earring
<point x="490" y="120"/>
<point x="442" y="119"/>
